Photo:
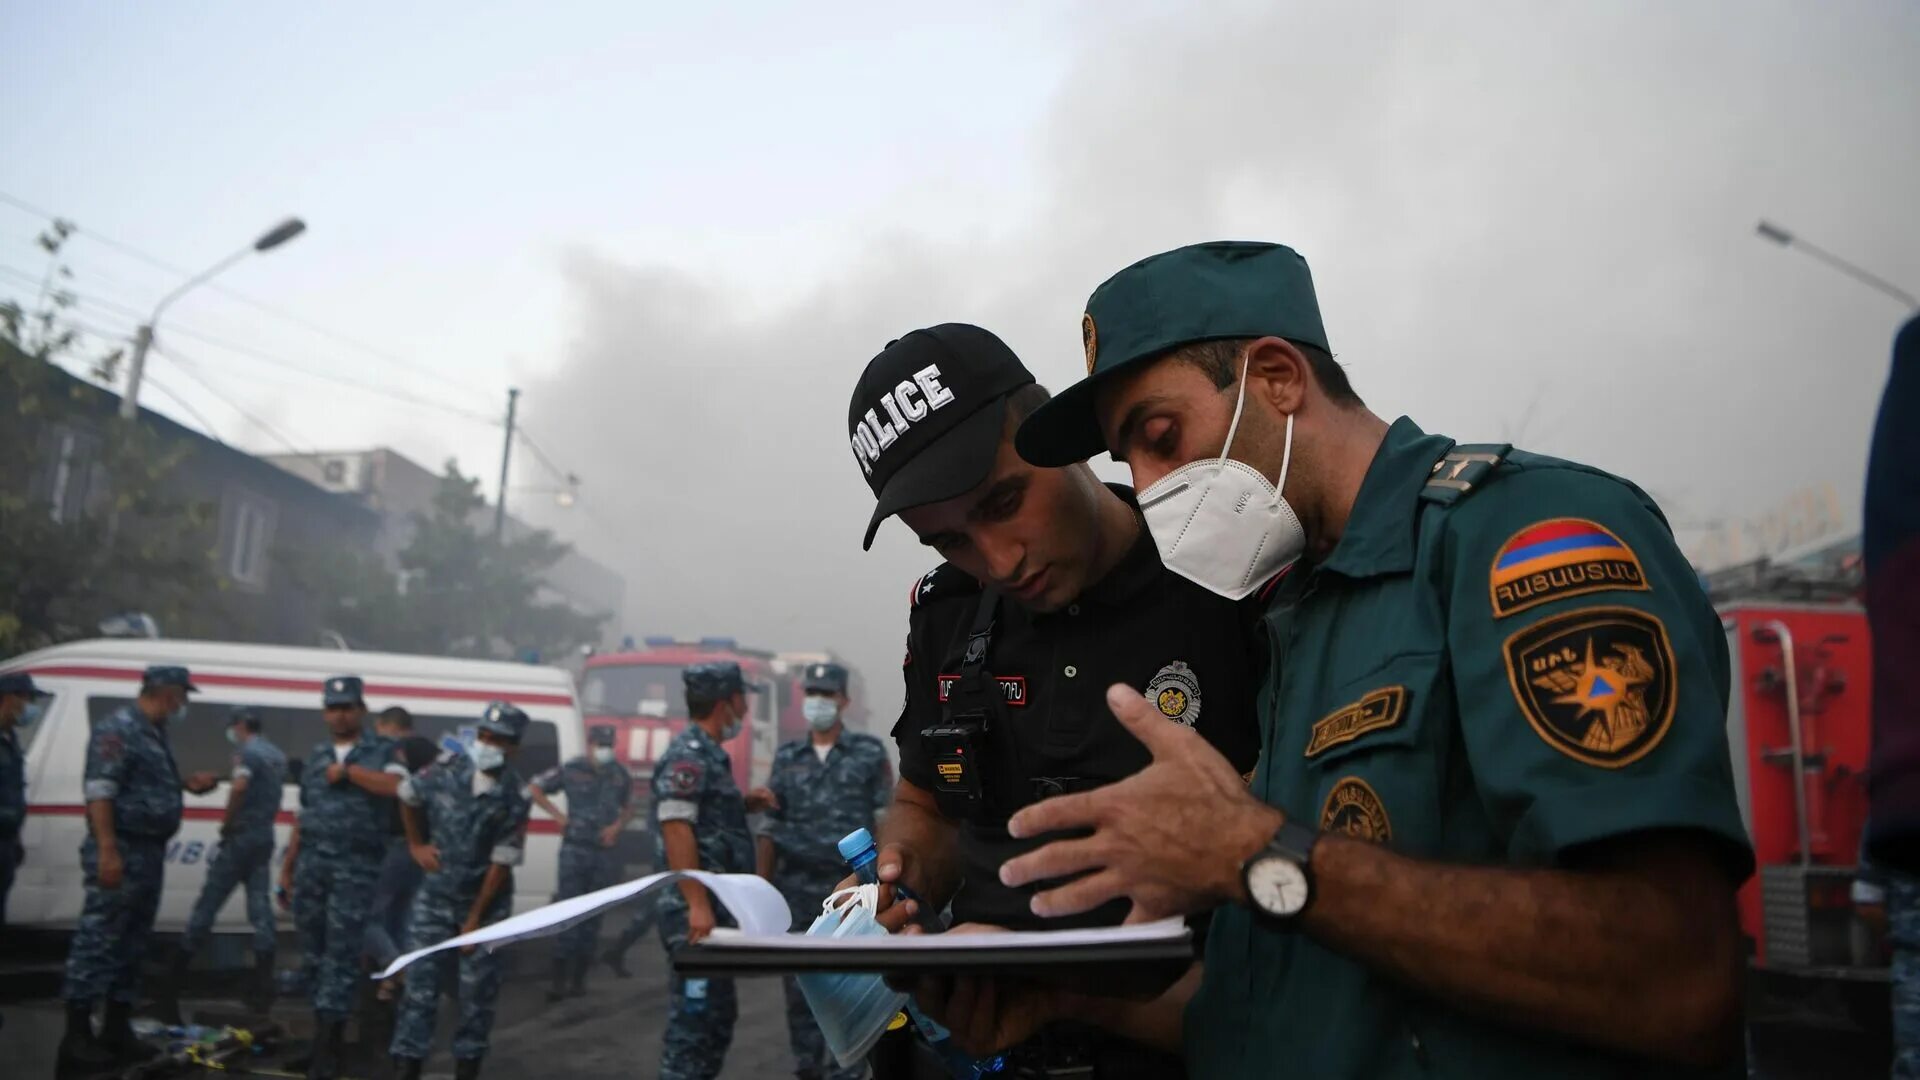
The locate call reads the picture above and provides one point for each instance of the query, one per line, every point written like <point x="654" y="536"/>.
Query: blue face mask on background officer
<point x="827" y="785"/>
<point x="599" y="793"/>
<point x="466" y="819"/>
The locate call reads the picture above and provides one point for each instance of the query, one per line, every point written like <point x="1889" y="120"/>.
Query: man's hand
<point x="1170" y="838"/>
<point x="427" y="856"/>
<point x="894" y="865"/>
<point x="286" y="881"/>
<point x="336" y="772"/>
<point x="201" y="782"/>
<point x="609" y="836"/>
<point x="985" y="1013"/>
<point x="761" y="799"/>
<point x="699" y="921"/>
<point x="109" y="870"/>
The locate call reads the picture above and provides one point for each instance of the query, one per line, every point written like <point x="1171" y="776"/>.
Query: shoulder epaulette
<point x="1464" y="468"/>
<point x="939" y="583"/>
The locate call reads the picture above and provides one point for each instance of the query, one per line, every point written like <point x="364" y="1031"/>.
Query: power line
<point x="188" y="406"/>
<point x="259" y="305"/>
<point x="266" y="358"/>
<point x="186" y="366"/>
<point x="559" y="473"/>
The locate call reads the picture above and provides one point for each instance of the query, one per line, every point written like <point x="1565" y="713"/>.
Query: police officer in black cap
<point x="1052" y="591"/>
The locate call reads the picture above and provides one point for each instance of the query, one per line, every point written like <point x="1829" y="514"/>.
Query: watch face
<point x="1277" y="885"/>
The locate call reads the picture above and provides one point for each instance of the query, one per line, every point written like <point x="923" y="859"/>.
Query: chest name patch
<point x="1012" y="687"/>
<point x="1354" y="809"/>
<point x="1597" y="685"/>
<point x="1379" y="709"/>
<point x="1561" y="557"/>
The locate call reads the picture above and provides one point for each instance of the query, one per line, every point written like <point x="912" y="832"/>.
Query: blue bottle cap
<point x="855" y="842"/>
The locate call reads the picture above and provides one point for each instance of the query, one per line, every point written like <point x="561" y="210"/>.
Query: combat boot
<point x="265" y="988"/>
<point x="80" y="1052"/>
<point x="406" y="1068"/>
<point x="328" y="1042"/>
<point x="559" y="988"/>
<point x="578" y="987"/>
<point x="116" y="1034"/>
<point x="466" y="1068"/>
<point x="616" y="958"/>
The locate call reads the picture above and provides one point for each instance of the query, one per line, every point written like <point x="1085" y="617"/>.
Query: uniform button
<point x="1071" y="671"/>
<point x="1073" y="609"/>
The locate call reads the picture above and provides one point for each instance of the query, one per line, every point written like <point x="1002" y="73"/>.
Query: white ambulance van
<point x="90" y="679"/>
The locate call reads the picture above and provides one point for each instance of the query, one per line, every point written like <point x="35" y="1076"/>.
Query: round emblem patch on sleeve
<point x="1597" y="684"/>
<point x="1175" y="691"/>
<point x="683" y="777"/>
<point x="1561" y="557"/>
<point x="1354" y="809"/>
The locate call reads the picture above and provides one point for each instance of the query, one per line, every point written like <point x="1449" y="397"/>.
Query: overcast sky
<point x="683" y="232"/>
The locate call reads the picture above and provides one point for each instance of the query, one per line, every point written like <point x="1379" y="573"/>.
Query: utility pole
<point x="506" y="455"/>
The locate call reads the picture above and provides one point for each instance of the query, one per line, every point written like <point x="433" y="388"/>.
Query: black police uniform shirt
<point x="1189" y="650"/>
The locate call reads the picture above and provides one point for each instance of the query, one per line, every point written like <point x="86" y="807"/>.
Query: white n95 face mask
<point x="1217" y="521"/>
<point x="486" y="756"/>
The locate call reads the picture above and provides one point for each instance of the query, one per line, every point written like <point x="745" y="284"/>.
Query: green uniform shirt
<point x="1494" y="675"/>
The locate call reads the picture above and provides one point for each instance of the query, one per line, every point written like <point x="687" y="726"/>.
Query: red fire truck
<point x="638" y="692"/>
<point x="1798" y="729"/>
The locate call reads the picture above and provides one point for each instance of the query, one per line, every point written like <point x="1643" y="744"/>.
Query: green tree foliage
<point x="459" y="594"/>
<point x="89" y="526"/>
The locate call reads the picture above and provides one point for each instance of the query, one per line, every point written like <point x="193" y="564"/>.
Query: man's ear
<point x="1278" y="374"/>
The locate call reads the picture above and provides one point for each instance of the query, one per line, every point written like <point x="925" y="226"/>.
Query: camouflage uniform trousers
<point x="811" y="1058"/>
<point x="439" y="909"/>
<point x="700" y="1012"/>
<point x="1903" y="924"/>
<point x="332" y="897"/>
<point x="584" y="867"/>
<point x="243" y="861"/>
<point x="111" y="939"/>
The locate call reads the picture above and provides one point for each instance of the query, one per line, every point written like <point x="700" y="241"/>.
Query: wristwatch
<point x="1279" y="877"/>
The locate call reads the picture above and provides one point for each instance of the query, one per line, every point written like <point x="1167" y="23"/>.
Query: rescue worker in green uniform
<point x="1493" y="830"/>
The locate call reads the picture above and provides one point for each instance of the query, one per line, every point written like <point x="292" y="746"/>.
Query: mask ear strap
<point x="1239" y="403"/>
<point x="1286" y="461"/>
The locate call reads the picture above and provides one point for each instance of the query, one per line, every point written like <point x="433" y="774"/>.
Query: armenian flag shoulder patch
<point x="1557" y="558"/>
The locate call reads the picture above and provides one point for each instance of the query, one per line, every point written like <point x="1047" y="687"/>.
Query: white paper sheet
<point x="1173" y="929"/>
<point x="756" y="905"/>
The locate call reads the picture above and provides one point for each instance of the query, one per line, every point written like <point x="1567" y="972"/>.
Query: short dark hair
<point x="700" y="706"/>
<point x="1220" y="359"/>
<point x="396" y="716"/>
<point x="249" y="720"/>
<point x="1026" y="401"/>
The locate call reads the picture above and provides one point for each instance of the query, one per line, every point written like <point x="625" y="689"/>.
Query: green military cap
<point x="1201" y="292"/>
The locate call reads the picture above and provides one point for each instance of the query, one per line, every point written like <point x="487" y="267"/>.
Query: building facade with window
<point x="399" y="489"/>
<point x="256" y="516"/>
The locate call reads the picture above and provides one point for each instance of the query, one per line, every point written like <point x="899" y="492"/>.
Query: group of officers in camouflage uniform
<point x="463" y="821"/>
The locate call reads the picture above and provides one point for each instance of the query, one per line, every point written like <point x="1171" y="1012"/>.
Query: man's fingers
<point x="1147" y="723"/>
<point x="1077" y="896"/>
<point x="897" y="916"/>
<point x="1058" y="859"/>
<point x="1060" y="812"/>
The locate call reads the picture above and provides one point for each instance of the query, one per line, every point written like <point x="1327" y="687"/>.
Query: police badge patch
<point x="1354" y="809"/>
<point x="1175" y="691"/>
<point x="1597" y="685"/>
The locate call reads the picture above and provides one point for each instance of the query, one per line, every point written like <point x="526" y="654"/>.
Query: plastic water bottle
<point x="863" y="856"/>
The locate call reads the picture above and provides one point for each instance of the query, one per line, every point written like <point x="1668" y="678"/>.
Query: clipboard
<point x="1124" y="962"/>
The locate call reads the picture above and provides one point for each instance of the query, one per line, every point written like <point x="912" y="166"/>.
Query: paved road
<point x="612" y="1032"/>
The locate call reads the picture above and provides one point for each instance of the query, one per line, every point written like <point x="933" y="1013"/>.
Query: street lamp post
<point x="1767" y="230"/>
<point x="143" y="339"/>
